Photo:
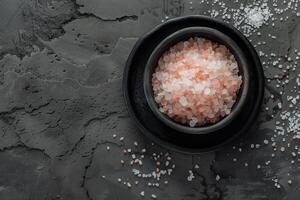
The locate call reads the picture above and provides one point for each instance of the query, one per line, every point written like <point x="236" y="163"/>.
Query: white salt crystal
<point x="207" y="91"/>
<point x="183" y="101"/>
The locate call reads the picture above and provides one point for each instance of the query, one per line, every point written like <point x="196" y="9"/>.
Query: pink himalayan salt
<point x="196" y="82"/>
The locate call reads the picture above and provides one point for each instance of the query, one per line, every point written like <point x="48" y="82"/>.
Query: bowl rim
<point x="211" y="34"/>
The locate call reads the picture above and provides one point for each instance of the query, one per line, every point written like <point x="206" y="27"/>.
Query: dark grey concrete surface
<point x="61" y="65"/>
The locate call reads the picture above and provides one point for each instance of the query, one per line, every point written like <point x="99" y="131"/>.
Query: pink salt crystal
<point x="196" y="82"/>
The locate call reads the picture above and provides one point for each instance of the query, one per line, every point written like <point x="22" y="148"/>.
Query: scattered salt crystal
<point x="266" y="141"/>
<point x="167" y="163"/>
<point x="258" y="166"/>
<point x="292" y="162"/>
<point x="257" y="16"/>
<point x="191" y="176"/>
<point x="273" y="155"/>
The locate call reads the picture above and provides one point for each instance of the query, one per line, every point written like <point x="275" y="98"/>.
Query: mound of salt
<point x="196" y="82"/>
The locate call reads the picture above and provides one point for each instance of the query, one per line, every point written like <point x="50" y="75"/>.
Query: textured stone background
<point x="61" y="66"/>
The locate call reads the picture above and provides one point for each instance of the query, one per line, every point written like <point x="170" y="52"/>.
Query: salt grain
<point x="266" y="142"/>
<point x="258" y="166"/>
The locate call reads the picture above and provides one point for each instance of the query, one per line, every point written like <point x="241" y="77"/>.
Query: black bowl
<point x="154" y="128"/>
<point x="215" y="36"/>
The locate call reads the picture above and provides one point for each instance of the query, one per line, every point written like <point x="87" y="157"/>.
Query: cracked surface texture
<point x="61" y="64"/>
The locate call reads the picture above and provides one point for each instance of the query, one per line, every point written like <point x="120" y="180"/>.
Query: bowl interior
<point x="182" y="35"/>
